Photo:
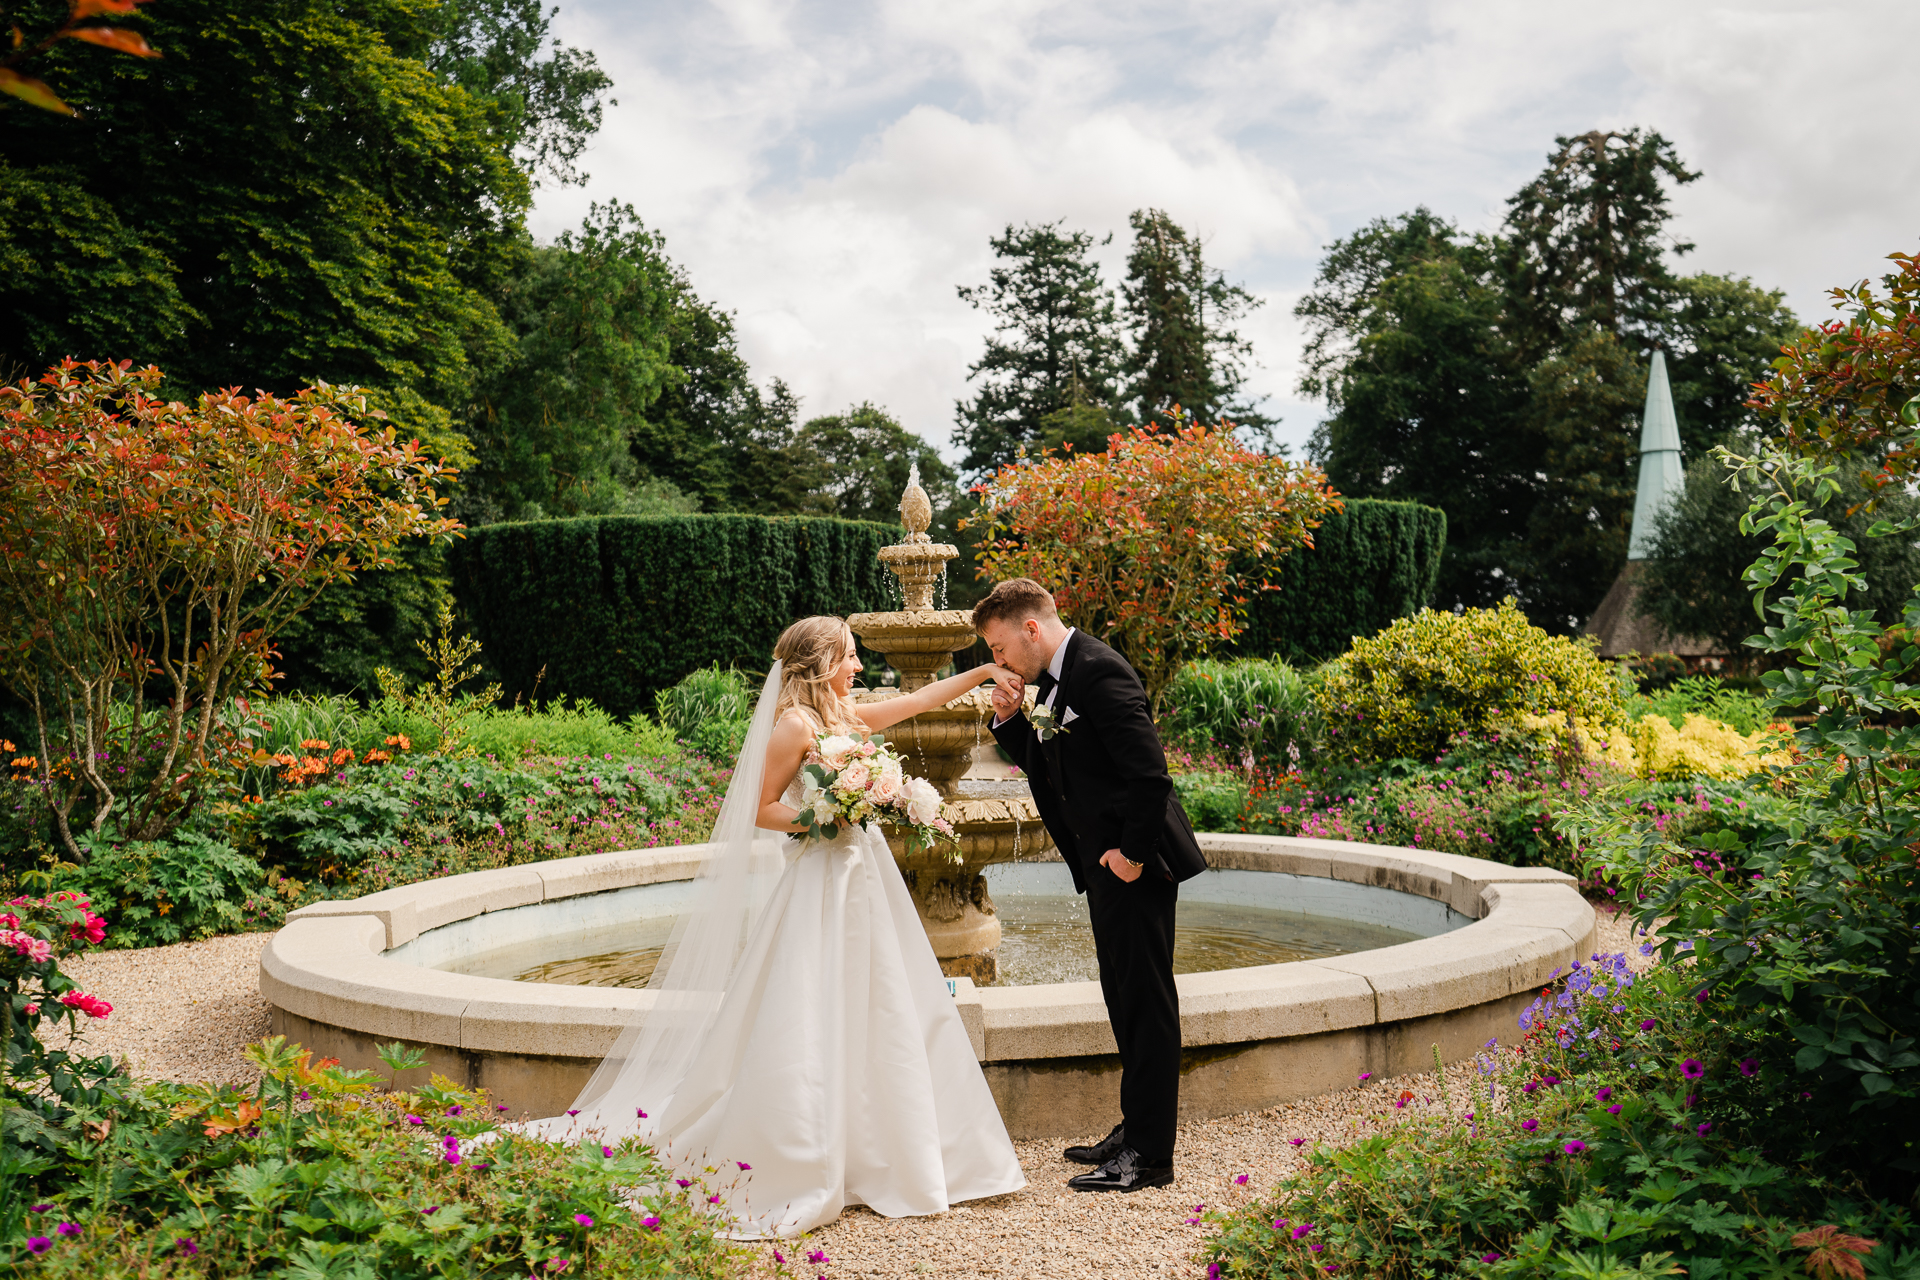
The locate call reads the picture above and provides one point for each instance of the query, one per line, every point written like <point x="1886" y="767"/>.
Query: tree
<point x="1406" y="347"/>
<point x="1154" y="545"/>
<point x="298" y="192"/>
<point x="18" y="84"/>
<point x="865" y="456"/>
<point x="1694" y="583"/>
<point x="554" y="427"/>
<point x="1501" y="378"/>
<point x="147" y="544"/>
<point x="1056" y="346"/>
<point x="1179" y="314"/>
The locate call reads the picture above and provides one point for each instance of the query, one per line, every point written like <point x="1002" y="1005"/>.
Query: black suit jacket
<point x="1103" y="783"/>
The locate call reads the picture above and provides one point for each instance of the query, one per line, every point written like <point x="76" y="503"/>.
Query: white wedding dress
<point x="835" y="1063"/>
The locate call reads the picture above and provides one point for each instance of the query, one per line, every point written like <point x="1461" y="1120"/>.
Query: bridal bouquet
<point x="852" y="779"/>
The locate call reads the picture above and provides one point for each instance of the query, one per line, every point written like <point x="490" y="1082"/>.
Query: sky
<point x="831" y="172"/>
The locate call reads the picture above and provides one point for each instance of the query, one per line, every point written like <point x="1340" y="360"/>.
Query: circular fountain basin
<point x="1226" y="920"/>
<point x="1364" y="958"/>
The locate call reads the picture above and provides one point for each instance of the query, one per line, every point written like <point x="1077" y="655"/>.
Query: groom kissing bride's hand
<point x="1099" y="777"/>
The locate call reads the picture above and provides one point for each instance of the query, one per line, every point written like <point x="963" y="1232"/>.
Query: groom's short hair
<point x="1014" y="600"/>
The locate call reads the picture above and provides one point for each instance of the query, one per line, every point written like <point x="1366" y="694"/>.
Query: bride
<point x="801" y="1028"/>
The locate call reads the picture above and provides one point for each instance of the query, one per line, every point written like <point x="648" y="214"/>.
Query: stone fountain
<point x="995" y="822"/>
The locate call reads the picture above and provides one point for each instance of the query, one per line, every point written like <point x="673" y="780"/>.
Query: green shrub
<point x="1706" y="696"/>
<point x="616" y="608"/>
<point x="1615" y="1140"/>
<point x="1436" y="678"/>
<point x="709" y="711"/>
<point x="1213" y="799"/>
<point x="1250" y="709"/>
<point x="580" y="729"/>
<point x="1372" y="563"/>
<point x="312" y="1174"/>
<point x="186" y="887"/>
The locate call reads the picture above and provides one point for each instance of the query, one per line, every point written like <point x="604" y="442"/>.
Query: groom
<point x="1100" y="780"/>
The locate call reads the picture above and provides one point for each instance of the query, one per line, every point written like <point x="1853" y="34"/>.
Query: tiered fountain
<point x="918" y="640"/>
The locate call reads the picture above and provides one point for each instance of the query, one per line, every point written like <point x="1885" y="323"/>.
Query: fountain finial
<point x="916" y="509"/>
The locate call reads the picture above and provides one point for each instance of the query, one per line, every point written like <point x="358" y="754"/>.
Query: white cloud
<point x="832" y="172"/>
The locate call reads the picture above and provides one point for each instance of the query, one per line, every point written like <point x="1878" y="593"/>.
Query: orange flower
<point x="26" y="762"/>
<point x="401" y="741"/>
<point x="244" y="1115"/>
<point x="343" y="756"/>
<point x="376" y="756"/>
<point x="7" y="746"/>
<point x="316" y="744"/>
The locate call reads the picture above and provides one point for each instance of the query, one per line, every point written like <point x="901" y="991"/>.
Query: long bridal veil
<point x="647" y="1063"/>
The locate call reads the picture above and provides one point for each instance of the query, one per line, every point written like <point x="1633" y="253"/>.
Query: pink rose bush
<point x="851" y="780"/>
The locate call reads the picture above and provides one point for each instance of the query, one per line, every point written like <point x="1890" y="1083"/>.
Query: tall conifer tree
<point x="1180" y="316"/>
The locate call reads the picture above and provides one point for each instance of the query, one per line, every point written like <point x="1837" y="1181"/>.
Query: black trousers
<point x="1133" y="938"/>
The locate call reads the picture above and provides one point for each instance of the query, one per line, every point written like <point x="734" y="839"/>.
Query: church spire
<point x="1661" y="476"/>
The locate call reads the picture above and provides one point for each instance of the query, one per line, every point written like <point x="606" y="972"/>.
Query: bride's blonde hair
<point x="810" y="651"/>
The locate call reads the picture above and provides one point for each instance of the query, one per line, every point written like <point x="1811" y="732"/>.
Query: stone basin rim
<point x="326" y="965"/>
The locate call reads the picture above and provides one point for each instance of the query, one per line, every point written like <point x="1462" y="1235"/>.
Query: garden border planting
<point x="1254" y="1037"/>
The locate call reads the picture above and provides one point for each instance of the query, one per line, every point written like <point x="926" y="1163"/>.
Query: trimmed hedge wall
<point x="1374" y="562"/>
<point x="617" y="607"/>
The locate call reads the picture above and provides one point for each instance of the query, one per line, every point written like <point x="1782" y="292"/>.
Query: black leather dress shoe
<point x="1100" y="1152"/>
<point x="1125" y="1172"/>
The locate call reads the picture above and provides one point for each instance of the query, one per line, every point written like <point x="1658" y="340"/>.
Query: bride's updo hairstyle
<point x="810" y="651"/>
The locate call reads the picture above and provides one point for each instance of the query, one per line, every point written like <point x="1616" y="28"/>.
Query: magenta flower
<point x="1240" y="1181"/>
<point x="1300" y="1232"/>
<point x="683" y="1183"/>
<point x="556" y="1264"/>
<point x="415" y="1120"/>
<point x="501" y="1107"/>
<point x="1749" y="1065"/>
<point x="1366" y="1075"/>
<point x="1529" y="1125"/>
<point x="638" y="1112"/>
<point x="819" y="1258"/>
<point x="430" y="1210"/>
<point x="574" y="1112"/>
<point x="186" y="1246"/>
<point x="744" y="1166"/>
<point x="1705" y="1127"/>
<point x="583" y="1219"/>
<point x="1492" y="1257"/>
<point x="607" y="1152"/>
<point x="1529" y="1086"/>
<point x="1575" y="1147"/>
<point x="1647" y="1024"/>
<point x="1279" y="1224"/>
<point x="1692" y="1069"/>
<point x="67" y="1229"/>
<point x="39" y="1208"/>
<point x="454" y="1110"/>
<point x="1296" y="1141"/>
<point x="1213" y="1271"/>
<point x="1602" y="1094"/>
<point x="1614" y="1110"/>
<point x="650" y="1222"/>
<point x="38" y="1244"/>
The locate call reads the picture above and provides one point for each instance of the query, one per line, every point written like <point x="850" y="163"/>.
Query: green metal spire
<point x="1661" y="475"/>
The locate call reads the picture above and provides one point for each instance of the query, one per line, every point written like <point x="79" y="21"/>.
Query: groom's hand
<point x="1009" y="692"/>
<point x="1116" y="862"/>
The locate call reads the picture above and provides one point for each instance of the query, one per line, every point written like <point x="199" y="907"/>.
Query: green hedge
<point x="617" y="607"/>
<point x="1374" y="562"/>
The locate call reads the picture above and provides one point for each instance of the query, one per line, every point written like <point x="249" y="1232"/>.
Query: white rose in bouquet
<point x="834" y="749"/>
<point x="853" y="779"/>
<point x="923" y="802"/>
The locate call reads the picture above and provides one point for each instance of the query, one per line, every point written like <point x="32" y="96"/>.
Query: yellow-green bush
<point x="1701" y="747"/>
<point x="1414" y="688"/>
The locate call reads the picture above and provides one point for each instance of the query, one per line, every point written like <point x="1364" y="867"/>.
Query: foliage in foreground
<point x="1615" y="1142"/>
<point x="315" y="1173"/>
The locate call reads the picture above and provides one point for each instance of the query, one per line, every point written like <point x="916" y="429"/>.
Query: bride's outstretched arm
<point x="786" y="751"/>
<point x="878" y="715"/>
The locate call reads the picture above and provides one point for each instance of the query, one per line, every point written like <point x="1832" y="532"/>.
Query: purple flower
<point x="1574" y="1147"/>
<point x="430" y="1210"/>
<point x="67" y="1229"/>
<point x="683" y="1183"/>
<point x="500" y="1107"/>
<point x="186" y="1246"/>
<point x="744" y="1166"/>
<point x="637" y="1111"/>
<point x="1704" y="1128"/>
<point x="39" y="1208"/>
<point x="583" y="1219"/>
<point x="1529" y="1086"/>
<point x="304" y="1095"/>
<point x="1300" y="1232"/>
<point x="556" y="1264"/>
<point x="1366" y="1075"/>
<point x="650" y="1222"/>
<point x="819" y="1258"/>
<point x="1492" y="1257"/>
<point x="1603" y="1093"/>
<point x="415" y="1120"/>
<point x="1296" y="1141"/>
<point x="1529" y="1125"/>
<point x="1692" y="1069"/>
<point x="1614" y="1110"/>
<point x="38" y="1244"/>
<point x="1240" y="1181"/>
<point x="573" y="1112"/>
<point x="1647" y="1024"/>
<point x="1748" y="1066"/>
<point x="1213" y="1271"/>
<point x="454" y="1110"/>
<point x="1279" y="1224"/>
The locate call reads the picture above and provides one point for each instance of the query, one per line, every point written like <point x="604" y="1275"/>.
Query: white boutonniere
<point x="1045" y="723"/>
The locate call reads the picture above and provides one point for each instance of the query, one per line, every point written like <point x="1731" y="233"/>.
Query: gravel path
<point x="185" y="1013"/>
<point x="181" y="1013"/>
